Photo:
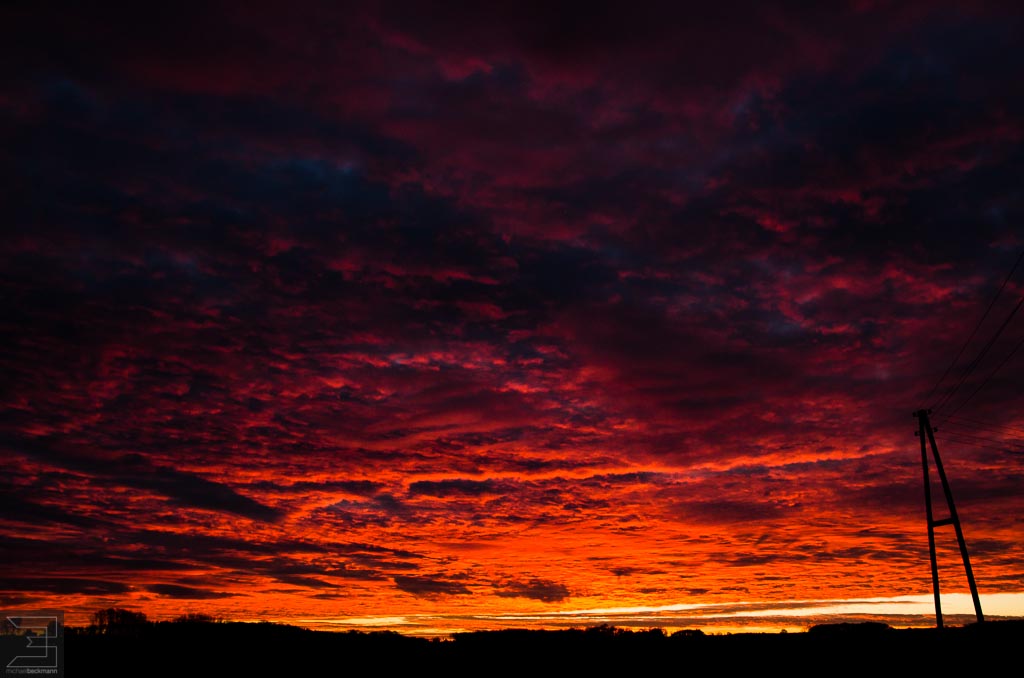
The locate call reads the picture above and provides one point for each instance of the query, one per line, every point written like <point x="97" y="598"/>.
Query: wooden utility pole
<point x="925" y="430"/>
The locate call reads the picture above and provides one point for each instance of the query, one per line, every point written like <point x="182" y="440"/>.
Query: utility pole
<point x="925" y="429"/>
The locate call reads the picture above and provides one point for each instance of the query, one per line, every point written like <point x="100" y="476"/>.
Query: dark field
<point x="236" y="649"/>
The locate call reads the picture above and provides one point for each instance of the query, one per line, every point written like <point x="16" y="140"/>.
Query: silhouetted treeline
<point x="196" y="645"/>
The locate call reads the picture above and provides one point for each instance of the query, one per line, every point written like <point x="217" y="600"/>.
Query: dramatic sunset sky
<point x="438" y="318"/>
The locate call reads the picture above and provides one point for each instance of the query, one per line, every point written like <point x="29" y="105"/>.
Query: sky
<point x="381" y="315"/>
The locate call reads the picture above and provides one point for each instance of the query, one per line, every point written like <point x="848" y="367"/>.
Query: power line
<point x="984" y="425"/>
<point x="993" y="372"/>
<point x="974" y="364"/>
<point x="983" y="430"/>
<point x="971" y="427"/>
<point x="977" y="437"/>
<point x="982" y="445"/>
<point x="975" y="331"/>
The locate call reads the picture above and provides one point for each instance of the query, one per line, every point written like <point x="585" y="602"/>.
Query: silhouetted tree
<point x="118" y="620"/>
<point x="603" y="630"/>
<point x="847" y="629"/>
<point x="195" y="618"/>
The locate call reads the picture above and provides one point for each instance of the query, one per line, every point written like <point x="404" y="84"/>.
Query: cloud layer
<point x="344" y="311"/>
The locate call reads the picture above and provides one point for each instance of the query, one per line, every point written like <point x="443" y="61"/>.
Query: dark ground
<point x="236" y="649"/>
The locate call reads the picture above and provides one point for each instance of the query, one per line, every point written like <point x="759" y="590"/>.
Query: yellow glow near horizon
<point x="754" y="616"/>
